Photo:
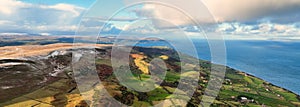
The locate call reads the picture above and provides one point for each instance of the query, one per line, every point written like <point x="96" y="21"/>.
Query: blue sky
<point x="247" y="19"/>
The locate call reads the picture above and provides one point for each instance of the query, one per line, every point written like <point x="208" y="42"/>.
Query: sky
<point x="81" y="3"/>
<point x="241" y="20"/>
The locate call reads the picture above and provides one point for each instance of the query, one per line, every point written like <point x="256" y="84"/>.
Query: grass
<point x="234" y="76"/>
<point x="226" y="94"/>
<point x="172" y="76"/>
<point x="158" y="94"/>
<point x="256" y="90"/>
<point x="141" y="104"/>
<point x="44" y="96"/>
<point x="103" y="61"/>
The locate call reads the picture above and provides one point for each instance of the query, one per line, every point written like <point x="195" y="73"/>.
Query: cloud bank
<point x="17" y="16"/>
<point x="279" y="11"/>
<point x="265" y="18"/>
<point x="241" y="18"/>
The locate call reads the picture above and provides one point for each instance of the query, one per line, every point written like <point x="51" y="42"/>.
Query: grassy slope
<point x="242" y="84"/>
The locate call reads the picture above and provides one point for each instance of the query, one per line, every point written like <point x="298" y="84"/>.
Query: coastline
<point x="234" y="68"/>
<point x="69" y="45"/>
<point x="238" y="86"/>
<point x="272" y="84"/>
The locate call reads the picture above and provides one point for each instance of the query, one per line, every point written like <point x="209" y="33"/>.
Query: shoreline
<point x="252" y="75"/>
<point x="236" y="69"/>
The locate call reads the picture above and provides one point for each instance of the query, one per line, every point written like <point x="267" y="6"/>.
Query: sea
<point x="277" y="62"/>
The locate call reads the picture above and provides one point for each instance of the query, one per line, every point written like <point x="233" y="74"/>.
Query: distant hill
<point x="19" y="40"/>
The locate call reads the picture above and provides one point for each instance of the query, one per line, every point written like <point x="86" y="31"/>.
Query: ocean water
<point x="275" y="62"/>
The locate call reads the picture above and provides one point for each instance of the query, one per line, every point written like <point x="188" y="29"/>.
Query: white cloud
<point x="261" y="30"/>
<point x="45" y="34"/>
<point x="224" y="11"/>
<point x="249" y="10"/>
<point x="5" y="22"/>
<point x="267" y="18"/>
<point x="14" y="34"/>
<point x="67" y="8"/>
<point x="259" y="19"/>
<point x="8" y="7"/>
<point x="233" y="21"/>
<point x="162" y="16"/>
<point x="18" y="16"/>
